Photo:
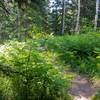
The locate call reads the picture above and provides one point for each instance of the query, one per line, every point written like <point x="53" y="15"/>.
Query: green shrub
<point x="97" y="96"/>
<point x="82" y="52"/>
<point x="28" y="75"/>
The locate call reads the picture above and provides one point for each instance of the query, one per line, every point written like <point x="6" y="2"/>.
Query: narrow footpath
<point x="81" y="88"/>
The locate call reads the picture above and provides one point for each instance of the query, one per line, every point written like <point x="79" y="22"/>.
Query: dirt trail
<point x="81" y="88"/>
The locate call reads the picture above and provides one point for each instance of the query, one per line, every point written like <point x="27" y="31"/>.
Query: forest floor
<point x="82" y="88"/>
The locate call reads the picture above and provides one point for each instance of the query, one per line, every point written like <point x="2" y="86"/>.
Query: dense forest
<point x="49" y="49"/>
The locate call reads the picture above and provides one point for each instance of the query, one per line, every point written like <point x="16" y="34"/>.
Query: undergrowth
<point x="29" y="72"/>
<point x="81" y="52"/>
<point x="35" y="69"/>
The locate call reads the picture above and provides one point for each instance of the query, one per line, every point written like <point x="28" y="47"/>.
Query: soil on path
<point x="82" y="89"/>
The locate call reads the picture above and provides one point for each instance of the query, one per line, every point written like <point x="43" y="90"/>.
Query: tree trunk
<point x="96" y="15"/>
<point x="77" y="28"/>
<point x="63" y="17"/>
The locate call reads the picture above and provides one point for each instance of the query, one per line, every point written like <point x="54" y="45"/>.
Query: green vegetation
<point x="81" y="52"/>
<point x="97" y="96"/>
<point x="36" y="67"/>
<point x="44" y="44"/>
<point x="28" y="73"/>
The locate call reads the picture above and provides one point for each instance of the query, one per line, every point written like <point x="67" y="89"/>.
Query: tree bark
<point x="63" y="17"/>
<point x="77" y="28"/>
<point x="96" y="15"/>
